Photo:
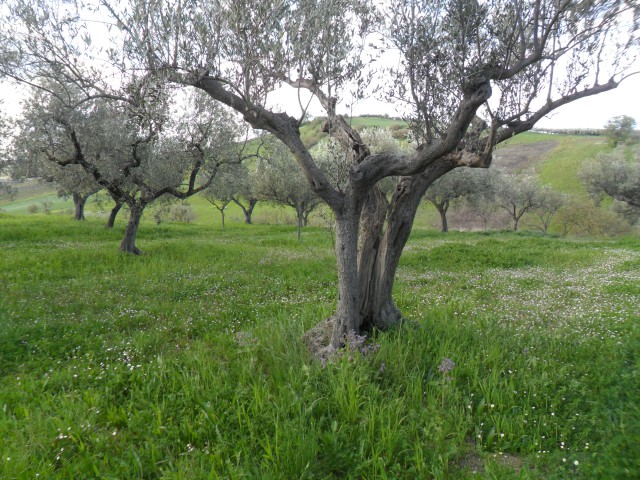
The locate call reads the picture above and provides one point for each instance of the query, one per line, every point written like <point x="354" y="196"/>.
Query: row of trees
<point x="520" y="196"/>
<point x="482" y="192"/>
<point x="137" y="153"/>
<point x="468" y="76"/>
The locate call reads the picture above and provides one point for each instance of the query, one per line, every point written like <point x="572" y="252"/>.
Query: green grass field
<point x="187" y="362"/>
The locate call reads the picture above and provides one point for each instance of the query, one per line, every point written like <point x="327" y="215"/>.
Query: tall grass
<point x="187" y="362"/>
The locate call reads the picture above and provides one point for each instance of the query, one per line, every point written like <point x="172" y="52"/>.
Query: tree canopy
<point x="619" y="129"/>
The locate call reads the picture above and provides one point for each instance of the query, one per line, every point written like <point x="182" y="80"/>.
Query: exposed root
<point x="318" y="339"/>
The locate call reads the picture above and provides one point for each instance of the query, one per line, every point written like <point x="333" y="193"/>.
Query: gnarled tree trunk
<point x="378" y="259"/>
<point x="128" y="244"/>
<point x="368" y="250"/>
<point x="79" y="201"/>
<point x="247" y="210"/>
<point x="114" y="213"/>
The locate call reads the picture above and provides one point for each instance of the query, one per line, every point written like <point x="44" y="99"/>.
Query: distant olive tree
<point x="518" y="194"/>
<point x="277" y="180"/>
<point x="482" y="201"/>
<point x="30" y="161"/>
<point x="244" y="191"/>
<point x="615" y="174"/>
<point x="5" y="167"/>
<point x="550" y="202"/>
<point x="220" y="192"/>
<point x="619" y="129"/>
<point x="448" y="189"/>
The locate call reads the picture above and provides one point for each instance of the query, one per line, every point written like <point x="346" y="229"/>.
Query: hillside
<point x="557" y="158"/>
<point x="312" y="131"/>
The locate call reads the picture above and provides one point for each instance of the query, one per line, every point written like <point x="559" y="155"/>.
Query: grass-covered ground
<point x="187" y="362"/>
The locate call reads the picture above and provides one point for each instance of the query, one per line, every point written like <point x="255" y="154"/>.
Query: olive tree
<point x="449" y="188"/>
<point x="5" y="166"/>
<point x="619" y="129"/>
<point x="482" y="200"/>
<point x="518" y="194"/>
<point x="549" y="205"/>
<point x="220" y="192"/>
<point x="613" y="175"/>
<point x="278" y="180"/>
<point x="35" y="150"/>
<point x="469" y="75"/>
<point x="136" y="155"/>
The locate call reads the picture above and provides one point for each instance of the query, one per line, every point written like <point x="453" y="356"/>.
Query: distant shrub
<point x="182" y="213"/>
<point x="46" y="206"/>
<point x="33" y="208"/>
<point x="587" y="219"/>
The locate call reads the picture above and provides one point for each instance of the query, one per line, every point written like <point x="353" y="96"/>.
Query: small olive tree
<point x="220" y="192"/>
<point x="277" y="180"/>
<point x="449" y="188"/>
<point x="518" y="194"/>
<point x="619" y="129"/>
<point x="614" y="175"/>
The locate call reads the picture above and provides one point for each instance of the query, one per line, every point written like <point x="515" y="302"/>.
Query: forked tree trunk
<point x="128" y="244"/>
<point x="114" y="213"/>
<point x="248" y="210"/>
<point x="79" y="201"/>
<point x="442" y="209"/>
<point x="366" y="273"/>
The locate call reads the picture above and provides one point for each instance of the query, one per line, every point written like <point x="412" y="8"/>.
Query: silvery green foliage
<point x="336" y="163"/>
<point x="5" y="166"/>
<point x="533" y="51"/>
<point x="616" y="175"/>
<point x="278" y="180"/>
<point x="619" y="129"/>
<point x="517" y="194"/>
<point x="452" y="186"/>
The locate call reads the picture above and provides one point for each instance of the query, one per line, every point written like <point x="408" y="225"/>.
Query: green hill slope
<point x="557" y="158"/>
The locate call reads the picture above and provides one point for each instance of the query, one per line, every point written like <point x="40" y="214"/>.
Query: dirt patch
<point x="514" y="158"/>
<point x="474" y="462"/>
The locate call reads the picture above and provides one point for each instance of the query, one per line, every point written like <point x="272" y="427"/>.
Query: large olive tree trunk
<point x="369" y="242"/>
<point x="381" y="245"/>
<point x="128" y="244"/>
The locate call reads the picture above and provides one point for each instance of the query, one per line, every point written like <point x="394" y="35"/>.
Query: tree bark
<point x="442" y="209"/>
<point x="114" y="213"/>
<point x="380" y="252"/>
<point x="299" y="215"/>
<point x="248" y="210"/>
<point x="347" y="314"/>
<point x="128" y="244"/>
<point x="79" y="202"/>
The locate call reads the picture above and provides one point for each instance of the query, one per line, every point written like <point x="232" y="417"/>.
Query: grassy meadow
<point x="519" y="358"/>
